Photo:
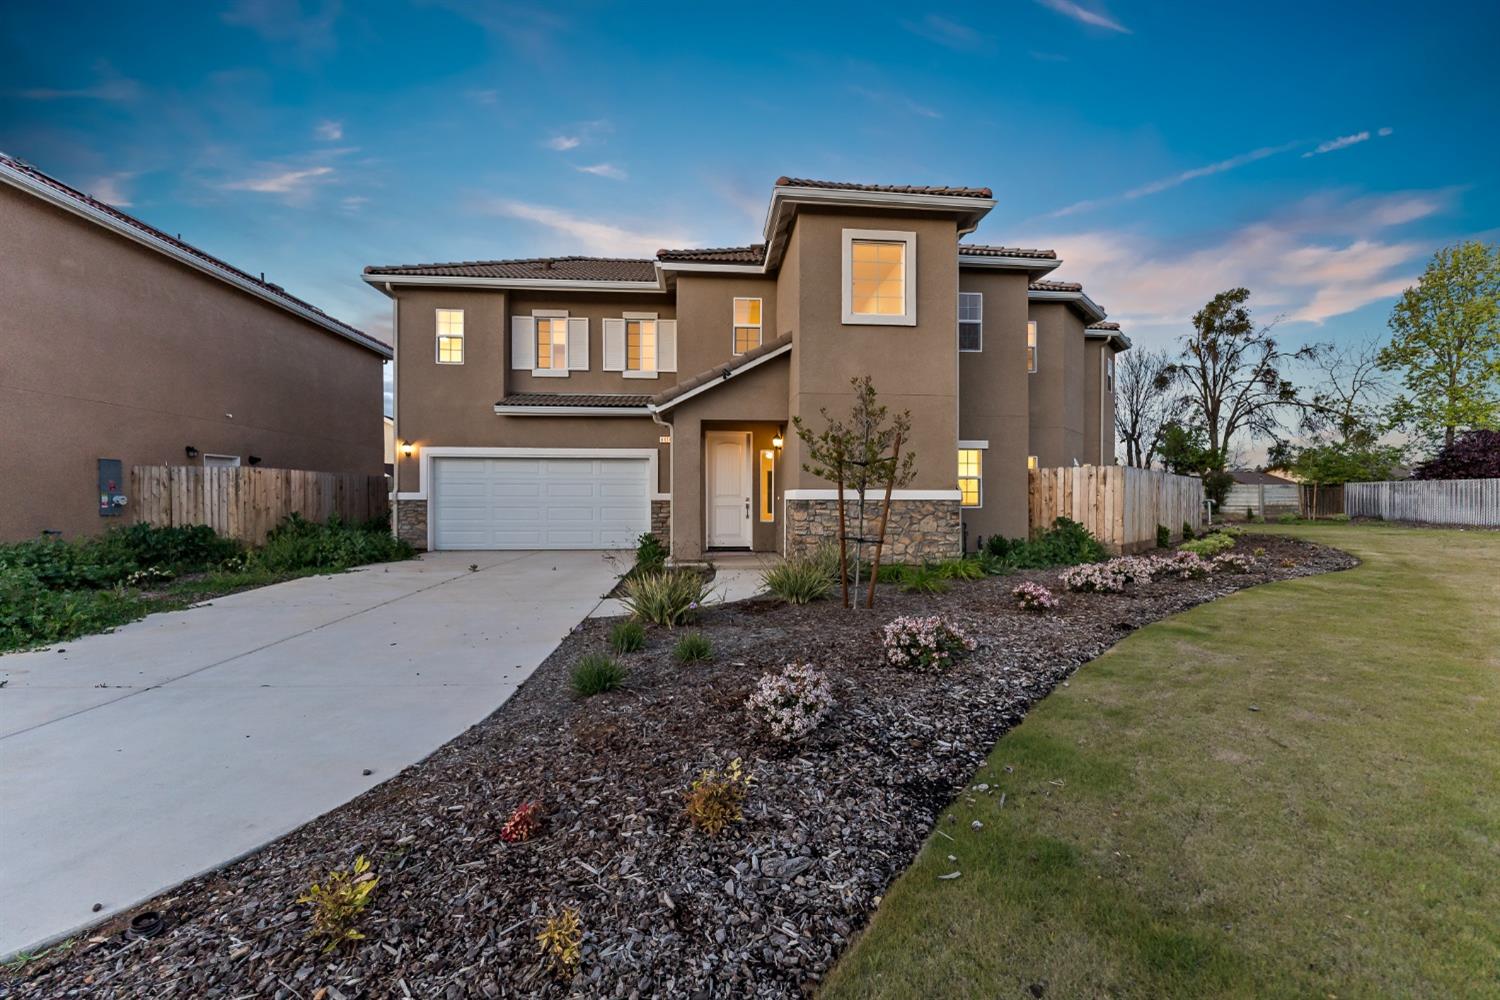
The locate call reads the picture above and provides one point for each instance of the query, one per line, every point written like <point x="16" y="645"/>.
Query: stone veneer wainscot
<point x="918" y="530"/>
<point x="411" y="522"/>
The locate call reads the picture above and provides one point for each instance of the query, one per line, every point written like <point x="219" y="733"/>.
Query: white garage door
<point x="540" y="503"/>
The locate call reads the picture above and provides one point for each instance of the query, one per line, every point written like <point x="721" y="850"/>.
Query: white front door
<point x="728" y="489"/>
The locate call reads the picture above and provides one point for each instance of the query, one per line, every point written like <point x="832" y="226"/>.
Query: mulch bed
<point x="762" y="910"/>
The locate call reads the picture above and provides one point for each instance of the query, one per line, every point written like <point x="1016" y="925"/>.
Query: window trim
<point x="909" y="277"/>
<point x="735" y="325"/>
<point x="1033" y="347"/>
<point x="961" y="348"/>
<point x="655" y="320"/>
<point x="439" y="336"/>
<point x="536" y="331"/>
<point x="767" y="486"/>
<point x="978" y="448"/>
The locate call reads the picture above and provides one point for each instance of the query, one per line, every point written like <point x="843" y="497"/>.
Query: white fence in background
<point x="1471" y="502"/>
<point x="1262" y="498"/>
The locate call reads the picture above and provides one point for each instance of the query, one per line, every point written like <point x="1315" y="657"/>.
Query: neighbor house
<point x="122" y="345"/>
<point x="575" y="402"/>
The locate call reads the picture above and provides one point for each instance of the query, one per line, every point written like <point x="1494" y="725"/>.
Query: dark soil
<point x="763" y="910"/>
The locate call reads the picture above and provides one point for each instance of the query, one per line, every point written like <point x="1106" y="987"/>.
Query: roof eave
<point x="57" y="198"/>
<point x="1118" y="340"/>
<point x="1090" y="309"/>
<point x="556" y="284"/>
<point x="698" y="390"/>
<point x="1034" y="267"/>
<point x="572" y="411"/>
<point x="970" y="208"/>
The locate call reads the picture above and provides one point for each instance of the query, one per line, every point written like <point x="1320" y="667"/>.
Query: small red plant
<point x="524" y="823"/>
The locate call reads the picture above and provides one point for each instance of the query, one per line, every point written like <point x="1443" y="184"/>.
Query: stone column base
<point x="411" y="522"/>
<point x="661" y="521"/>
<point x="918" y="531"/>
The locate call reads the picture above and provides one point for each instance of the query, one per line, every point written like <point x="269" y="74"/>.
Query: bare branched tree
<point x="1231" y="372"/>
<point x="1350" y="396"/>
<point x="1144" y="403"/>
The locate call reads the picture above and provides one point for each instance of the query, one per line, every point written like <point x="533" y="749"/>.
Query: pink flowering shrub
<point x="923" y="643"/>
<point x="1233" y="562"/>
<point x="1098" y="578"/>
<point x="1186" y="566"/>
<point x="792" y="703"/>
<point x="1034" y="597"/>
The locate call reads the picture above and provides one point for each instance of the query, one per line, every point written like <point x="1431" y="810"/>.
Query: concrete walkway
<point x="132" y="761"/>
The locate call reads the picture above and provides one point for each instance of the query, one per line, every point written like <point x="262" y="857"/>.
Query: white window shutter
<point x="522" y="342"/>
<point x="666" y="345"/>
<point x="614" y="345"/>
<point x="578" y="343"/>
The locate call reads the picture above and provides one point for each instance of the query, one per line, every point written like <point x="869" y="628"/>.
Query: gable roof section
<point x="753" y="254"/>
<point x="27" y="178"/>
<point x="1110" y="332"/>
<point x="952" y="192"/>
<point x="719" y="374"/>
<point x="982" y="250"/>
<point x="531" y="268"/>
<point x="1070" y="292"/>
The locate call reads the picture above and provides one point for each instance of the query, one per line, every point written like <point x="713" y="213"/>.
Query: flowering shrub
<point x="523" y="824"/>
<point x="793" y="702"/>
<point x="561" y="942"/>
<point x="1186" y="566"/>
<point x="918" y="643"/>
<point x="1233" y="562"/>
<point x="716" y="799"/>
<point x="1034" y="597"/>
<point x="1098" y="578"/>
<point x="1137" y="569"/>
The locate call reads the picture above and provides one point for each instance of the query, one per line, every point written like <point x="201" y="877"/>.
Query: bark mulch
<point x="762" y="910"/>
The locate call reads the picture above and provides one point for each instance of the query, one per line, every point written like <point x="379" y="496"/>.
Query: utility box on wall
<point x="111" y="487"/>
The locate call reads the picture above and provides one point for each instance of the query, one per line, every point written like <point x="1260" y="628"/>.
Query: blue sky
<point x="1315" y="152"/>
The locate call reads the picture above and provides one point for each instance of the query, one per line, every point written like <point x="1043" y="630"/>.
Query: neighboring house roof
<point x="981" y="250"/>
<point x="28" y="178"/>
<point x="1072" y="293"/>
<point x="753" y="254"/>
<point x="1110" y="332"/>
<point x="1250" y="477"/>
<point x="961" y="192"/>
<point x="532" y="268"/>
<point x="719" y="374"/>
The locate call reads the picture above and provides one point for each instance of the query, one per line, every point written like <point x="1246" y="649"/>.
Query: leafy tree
<point x="1144" y="404"/>
<point x="1446" y="344"/>
<point x="1472" y="455"/>
<point x="859" y="454"/>
<point x="1185" y="451"/>
<point x="1232" y="372"/>
<point x="1333" y="463"/>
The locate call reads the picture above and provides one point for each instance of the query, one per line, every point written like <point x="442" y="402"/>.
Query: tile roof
<point x="963" y="192"/>
<point x="980" y="250"/>
<point x="574" y="399"/>
<point x="1252" y="477"/>
<point x="687" y="385"/>
<point x="274" y="290"/>
<point x="552" y="268"/>
<point x="1056" y="286"/>
<point x="753" y="254"/>
<point x="1104" y="326"/>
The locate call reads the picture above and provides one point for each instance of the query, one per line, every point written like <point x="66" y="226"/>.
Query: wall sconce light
<point x="778" y="441"/>
<point x="407" y="448"/>
<point x="254" y="459"/>
<point x="191" y="452"/>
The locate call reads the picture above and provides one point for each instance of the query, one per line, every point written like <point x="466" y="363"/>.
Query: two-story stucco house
<point x="576" y="402"/>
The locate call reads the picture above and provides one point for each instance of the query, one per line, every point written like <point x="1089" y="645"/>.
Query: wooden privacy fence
<point x="1472" y="502"/>
<point x="249" y="501"/>
<point x="1120" y="505"/>
<point x="1324" y="501"/>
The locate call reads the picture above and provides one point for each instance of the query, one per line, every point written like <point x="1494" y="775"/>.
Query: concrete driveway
<point x="132" y="761"/>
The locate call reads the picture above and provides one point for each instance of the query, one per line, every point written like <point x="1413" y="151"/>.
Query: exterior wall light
<point x="778" y="441"/>
<point x="407" y="448"/>
<point x="191" y="452"/>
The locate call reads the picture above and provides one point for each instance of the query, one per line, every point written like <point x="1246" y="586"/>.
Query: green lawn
<point x="1291" y="792"/>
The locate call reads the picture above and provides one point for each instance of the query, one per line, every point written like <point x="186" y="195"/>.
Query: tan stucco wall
<point x="994" y="403"/>
<point x="1057" y="388"/>
<point x="597" y="308"/>
<point x="1099" y="405"/>
<point x="914" y="367"/>
<point x="705" y="317"/>
<point x="111" y="350"/>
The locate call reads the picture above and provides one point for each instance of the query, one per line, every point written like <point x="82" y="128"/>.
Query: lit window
<point x="1031" y="346"/>
<point x="1109" y="372"/>
<point x="877" y="280"/>
<point x="640" y="345"/>
<point x="552" y="343"/>
<point x="1031" y="462"/>
<point x="450" y="336"/>
<point x="746" y="325"/>
<point x="767" y="485"/>
<point x="970" y="321"/>
<point x="970" y="469"/>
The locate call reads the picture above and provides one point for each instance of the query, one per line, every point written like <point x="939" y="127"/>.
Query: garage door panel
<point x="525" y="503"/>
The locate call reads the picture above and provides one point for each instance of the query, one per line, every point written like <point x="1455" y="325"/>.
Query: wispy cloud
<point x="900" y="101"/>
<point x="282" y="181"/>
<point x="308" y="27"/>
<point x="947" y="33"/>
<point x="603" y="170"/>
<point x="353" y="203"/>
<point x="563" y="143"/>
<point x="1344" y="142"/>
<point x="1167" y="183"/>
<point x="329" y="131"/>
<point x="581" y="134"/>
<point x="110" y="191"/>
<point x="1083" y="15"/>
<point x="110" y="87"/>
<point x="1316" y="259"/>
<point x="590" y="235"/>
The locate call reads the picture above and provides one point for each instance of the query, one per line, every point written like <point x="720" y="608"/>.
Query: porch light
<point x="190" y="451"/>
<point x="778" y="441"/>
<point x="407" y="448"/>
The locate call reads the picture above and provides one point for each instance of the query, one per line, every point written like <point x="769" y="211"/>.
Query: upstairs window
<point x="879" y="277"/>
<point x="552" y="343"/>
<point x="970" y="321"/>
<point x="1109" y="371"/>
<point x="971" y="476"/>
<point x="1031" y="346"/>
<point x="640" y="345"/>
<point x="450" y="336"/>
<point x="747" y="330"/>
